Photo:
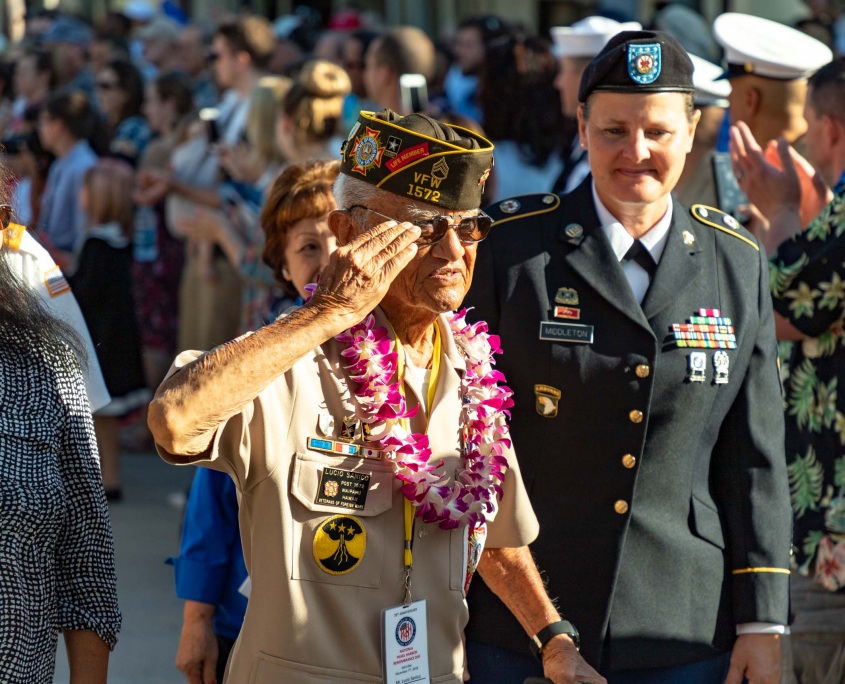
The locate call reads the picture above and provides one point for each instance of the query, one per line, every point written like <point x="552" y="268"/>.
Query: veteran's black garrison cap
<point x="639" y="62"/>
<point x="418" y="157"/>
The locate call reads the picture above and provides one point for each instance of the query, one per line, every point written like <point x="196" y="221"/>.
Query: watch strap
<point x="545" y="635"/>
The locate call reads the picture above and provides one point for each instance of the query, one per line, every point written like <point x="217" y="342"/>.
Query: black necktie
<point x="641" y="255"/>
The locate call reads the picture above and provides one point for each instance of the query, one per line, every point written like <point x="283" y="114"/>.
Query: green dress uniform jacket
<point x="663" y="502"/>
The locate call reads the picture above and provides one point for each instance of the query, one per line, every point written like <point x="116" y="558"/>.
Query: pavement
<point x="146" y="527"/>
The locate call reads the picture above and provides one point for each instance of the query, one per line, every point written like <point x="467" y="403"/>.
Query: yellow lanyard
<point x="406" y="424"/>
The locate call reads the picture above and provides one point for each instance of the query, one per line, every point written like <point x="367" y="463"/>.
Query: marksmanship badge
<point x="644" y="62"/>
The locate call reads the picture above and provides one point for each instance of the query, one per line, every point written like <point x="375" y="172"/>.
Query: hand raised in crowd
<point x="151" y="186"/>
<point x="789" y="196"/>
<point x="757" y="658"/>
<point x="202" y="224"/>
<point x="197" y="654"/>
<point x="562" y="664"/>
<point x="240" y="163"/>
<point x="359" y="273"/>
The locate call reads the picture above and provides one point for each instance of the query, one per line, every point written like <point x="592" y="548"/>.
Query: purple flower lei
<point x="484" y="429"/>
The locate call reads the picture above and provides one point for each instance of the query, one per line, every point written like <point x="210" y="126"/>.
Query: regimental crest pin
<point x="325" y="421"/>
<point x="509" y="206"/>
<point x="721" y="362"/>
<point x="689" y="238"/>
<point x="644" y="62"/>
<point x="697" y="366"/>
<point x="548" y="399"/>
<point x="347" y="428"/>
<point x="566" y="296"/>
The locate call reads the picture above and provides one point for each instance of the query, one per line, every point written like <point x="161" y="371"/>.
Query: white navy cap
<point x="711" y="89"/>
<point x="754" y="45"/>
<point x="587" y="37"/>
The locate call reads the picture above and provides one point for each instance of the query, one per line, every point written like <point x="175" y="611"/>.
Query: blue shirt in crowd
<point x="210" y="567"/>
<point x="61" y="218"/>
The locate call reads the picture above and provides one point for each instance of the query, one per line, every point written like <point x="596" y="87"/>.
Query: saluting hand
<point x="359" y="273"/>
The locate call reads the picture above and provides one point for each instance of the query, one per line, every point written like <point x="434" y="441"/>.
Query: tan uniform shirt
<point x="315" y="607"/>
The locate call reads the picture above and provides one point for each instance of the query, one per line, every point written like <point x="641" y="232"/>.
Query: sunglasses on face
<point x="433" y="229"/>
<point x="105" y="85"/>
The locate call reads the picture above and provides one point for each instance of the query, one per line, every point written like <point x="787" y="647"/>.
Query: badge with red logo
<point x="367" y="152"/>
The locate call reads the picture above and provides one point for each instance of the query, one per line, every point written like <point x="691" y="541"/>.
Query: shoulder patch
<point x="13" y="235"/>
<point x="522" y="206"/>
<point x="718" y="219"/>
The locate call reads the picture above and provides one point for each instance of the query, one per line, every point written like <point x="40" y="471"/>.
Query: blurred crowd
<point x="161" y="136"/>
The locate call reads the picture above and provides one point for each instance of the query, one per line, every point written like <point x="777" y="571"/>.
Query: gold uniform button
<point x="636" y="416"/>
<point x="642" y="371"/>
<point x="629" y="460"/>
<point x="621" y="507"/>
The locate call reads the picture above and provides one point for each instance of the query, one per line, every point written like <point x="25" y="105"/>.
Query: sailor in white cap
<point x="707" y="177"/>
<point x="768" y="64"/>
<point x="575" y="46"/>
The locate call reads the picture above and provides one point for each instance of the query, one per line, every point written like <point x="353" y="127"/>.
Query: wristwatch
<point x="545" y="635"/>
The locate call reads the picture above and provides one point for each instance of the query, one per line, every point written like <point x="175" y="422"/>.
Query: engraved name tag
<point x="566" y="332"/>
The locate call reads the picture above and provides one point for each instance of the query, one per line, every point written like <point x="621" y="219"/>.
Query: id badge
<point x="405" y="644"/>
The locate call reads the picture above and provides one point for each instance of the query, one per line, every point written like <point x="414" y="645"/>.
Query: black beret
<point x="418" y="157"/>
<point x="639" y="62"/>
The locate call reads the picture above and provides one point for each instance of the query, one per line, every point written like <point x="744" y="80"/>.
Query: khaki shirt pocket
<point x="341" y="544"/>
<point x="272" y="670"/>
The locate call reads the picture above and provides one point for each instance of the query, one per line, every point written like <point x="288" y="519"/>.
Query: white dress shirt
<point x="621" y="240"/>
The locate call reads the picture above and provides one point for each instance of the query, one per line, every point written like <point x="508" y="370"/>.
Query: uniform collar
<point x="621" y="240"/>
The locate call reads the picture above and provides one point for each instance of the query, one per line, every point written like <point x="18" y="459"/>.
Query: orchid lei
<point x="484" y="430"/>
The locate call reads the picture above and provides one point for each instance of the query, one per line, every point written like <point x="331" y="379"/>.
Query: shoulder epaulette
<point x="13" y="235"/>
<point x="718" y="219"/>
<point x="522" y="206"/>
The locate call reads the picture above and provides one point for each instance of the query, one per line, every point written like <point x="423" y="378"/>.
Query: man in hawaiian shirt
<point x="808" y="287"/>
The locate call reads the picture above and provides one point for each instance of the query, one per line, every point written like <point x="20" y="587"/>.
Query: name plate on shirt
<point x="344" y="488"/>
<point x="566" y="332"/>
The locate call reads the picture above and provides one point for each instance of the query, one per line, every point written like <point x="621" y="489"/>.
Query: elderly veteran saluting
<point x="648" y="419"/>
<point x="366" y="435"/>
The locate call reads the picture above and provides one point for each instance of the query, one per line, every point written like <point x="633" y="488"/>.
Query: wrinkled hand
<point x="564" y="665"/>
<point x="359" y="273"/>
<point x="197" y="654"/>
<point x="757" y="658"/>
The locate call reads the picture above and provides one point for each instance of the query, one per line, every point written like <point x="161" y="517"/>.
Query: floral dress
<point x="807" y="278"/>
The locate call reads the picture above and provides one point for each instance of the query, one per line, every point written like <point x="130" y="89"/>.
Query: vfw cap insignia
<point x="367" y="152"/>
<point x="644" y="62"/>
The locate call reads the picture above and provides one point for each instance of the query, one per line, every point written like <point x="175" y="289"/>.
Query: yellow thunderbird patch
<point x="547" y="400"/>
<point x="340" y="543"/>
